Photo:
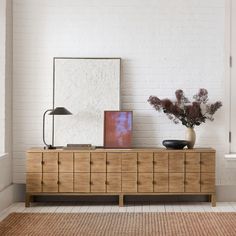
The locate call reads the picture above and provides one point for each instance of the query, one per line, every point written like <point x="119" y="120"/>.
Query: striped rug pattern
<point x="113" y="224"/>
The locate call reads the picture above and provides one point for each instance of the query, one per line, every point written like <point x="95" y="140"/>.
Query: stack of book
<point x="79" y="147"/>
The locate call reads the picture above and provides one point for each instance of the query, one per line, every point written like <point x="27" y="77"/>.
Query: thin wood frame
<point x="105" y="135"/>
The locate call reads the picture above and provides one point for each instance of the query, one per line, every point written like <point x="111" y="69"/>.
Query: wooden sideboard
<point x="121" y="172"/>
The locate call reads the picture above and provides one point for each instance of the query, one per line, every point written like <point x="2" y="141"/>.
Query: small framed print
<point x="118" y="129"/>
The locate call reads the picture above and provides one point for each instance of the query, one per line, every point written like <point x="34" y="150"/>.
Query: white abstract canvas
<point x="86" y="87"/>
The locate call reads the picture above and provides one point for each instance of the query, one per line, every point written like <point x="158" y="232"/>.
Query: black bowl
<point x="174" y="144"/>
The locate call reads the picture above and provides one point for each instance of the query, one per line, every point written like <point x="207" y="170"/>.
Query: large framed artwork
<point x="118" y="129"/>
<point x="86" y="87"/>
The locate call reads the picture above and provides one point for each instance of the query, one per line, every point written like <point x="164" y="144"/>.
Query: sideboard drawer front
<point x="176" y="182"/>
<point x="65" y="182"/>
<point x="50" y="162"/>
<point x="113" y="182"/>
<point x="34" y="182"/>
<point x="65" y="162"/>
<point x="50" y="182"/>
<point x="129" y="162"/>
<point x="98" y="162"/>
<point x="161" y="182"/>
<point x="113" y="162"/>
<point x="34" y="162"/>
<point x="145" y="162"/>
<point x="82" y="162"/>
<point x="129" y="182"/>
<point x="145" y="182"/>
<point x="98" y="182"/>
<point x="192" y="161"/>
<point x="161" y="162"/>
<point x="208" y="162"/>
<point x="207" y="182"/>
<point x="82" y="182"/>
<point x="192" y="183"/>
<point x="120" y="172"/>
<point x="176" y="162"/>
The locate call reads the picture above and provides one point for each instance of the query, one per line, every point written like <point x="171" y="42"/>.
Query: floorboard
<point x="52" y="207"/>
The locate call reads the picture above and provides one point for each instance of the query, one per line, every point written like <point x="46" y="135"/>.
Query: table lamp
<point x="56" y="111"/>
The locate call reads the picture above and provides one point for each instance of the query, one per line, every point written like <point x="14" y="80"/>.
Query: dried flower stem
<point x="188" y="113"/>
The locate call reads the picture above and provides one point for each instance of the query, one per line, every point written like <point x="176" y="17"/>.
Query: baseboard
<point x="7" y="197"/>
<point x="224" y="193"/>
<point x="19" y="192"/>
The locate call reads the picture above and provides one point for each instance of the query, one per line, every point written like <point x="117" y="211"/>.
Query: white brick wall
<point x="164" y="45"/>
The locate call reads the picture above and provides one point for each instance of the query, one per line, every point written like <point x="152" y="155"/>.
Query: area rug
<point x="113" y="224"/>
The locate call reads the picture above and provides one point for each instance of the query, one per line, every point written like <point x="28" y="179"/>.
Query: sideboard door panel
<point x="176" y="162"/>
<point x="98" y="181"/>
<point x="145" y="182"/>
<point x="34" y="162"/>
<point x="129" y="182"/>
<point x="145" y="162"/>
<point x="192" y="182"/>
<point x="66" y="182"/>
<point x="82" y="162"/>
<point x="113" y="182"/>
<point x="121" y="172"/>
<point x="50" y="182"/>
<point x="161" y="182"/>
<point x="208" y="162"/>
<point x="65" y="162"/>
<point x="129" y="162"/>
<point x="50" y="162"/>
<point x="34" y="182"/>
<point x="82" y="182"/>
<point x="207" y="182"/>
<point x="192" y="162"/>
<point x="113" y="162"/>
<point x="161" y="162"/>
<point x="176" y="182"/>
<point x="98" y="162"/>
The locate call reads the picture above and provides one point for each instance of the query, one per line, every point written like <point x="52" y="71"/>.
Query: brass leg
<point x="27" y="200"/>
<point x="209" y="198"/>
<point x="121" y="200"/>
<point x="213" y="200"/>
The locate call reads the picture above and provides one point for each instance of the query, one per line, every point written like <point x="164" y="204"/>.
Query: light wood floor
<point x="135" y="207"/>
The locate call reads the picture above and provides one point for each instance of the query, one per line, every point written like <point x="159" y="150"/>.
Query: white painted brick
<point x="164" y="45"/>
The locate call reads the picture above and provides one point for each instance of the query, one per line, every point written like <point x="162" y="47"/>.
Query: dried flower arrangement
<point x="187" y="112"/>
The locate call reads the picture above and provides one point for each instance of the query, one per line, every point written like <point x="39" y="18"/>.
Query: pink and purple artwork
<point x="117" y="129"/>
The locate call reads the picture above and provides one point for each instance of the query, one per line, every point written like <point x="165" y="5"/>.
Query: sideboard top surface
<point x="38" y="149"/>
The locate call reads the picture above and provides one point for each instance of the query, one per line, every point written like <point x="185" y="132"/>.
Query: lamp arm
<point x="44" y="114"/>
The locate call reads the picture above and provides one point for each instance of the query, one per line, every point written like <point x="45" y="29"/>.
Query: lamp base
<point x="52" y="147"/>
